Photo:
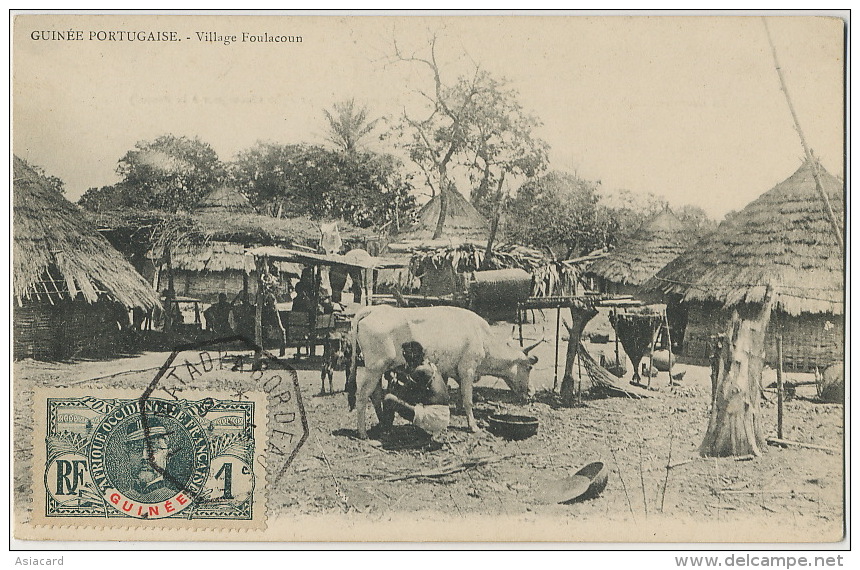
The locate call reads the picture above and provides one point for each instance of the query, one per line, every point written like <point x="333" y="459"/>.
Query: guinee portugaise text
<point x="162" y="36"/>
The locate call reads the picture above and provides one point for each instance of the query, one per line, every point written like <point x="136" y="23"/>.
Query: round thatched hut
<point x="71" y="288"/>
<point x="639" y="257"/>
<point x="438" y="274"/>
<point x="784" y="240"/>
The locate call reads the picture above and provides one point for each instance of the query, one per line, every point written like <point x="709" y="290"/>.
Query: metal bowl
<point x="509" y="426"/>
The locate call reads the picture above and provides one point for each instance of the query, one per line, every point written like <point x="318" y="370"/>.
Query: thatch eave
<point x="58" y="254"/>
<point x="783" y="240"/>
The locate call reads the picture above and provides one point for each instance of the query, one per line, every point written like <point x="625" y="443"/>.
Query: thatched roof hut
<point x="72" y="289"/>
<point x="224" y="199"/>
<point x="58" y="255"/>
<point x="440" y="267"/>
<point x="639" y="257"/>
<point x="783" y="240"/>
<point x="463" y="224"/>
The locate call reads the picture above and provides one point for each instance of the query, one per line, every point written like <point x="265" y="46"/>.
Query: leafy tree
<point x="170" y="173"/>
<point x="360" y="187"/>
<point x="107" y="198"/>
<point x="474" y="123"/>
<point x="628" y="210"/>
<point x="559" y="212"/>
<point x="696" y="218"/>
<point x="348" y="123"/>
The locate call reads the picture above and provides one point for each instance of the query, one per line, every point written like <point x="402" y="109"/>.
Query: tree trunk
<point x="580" y="315"/>
<point x="734" y="428"/>
<point x="443" y="207"/>
<point x="488" y="254"/>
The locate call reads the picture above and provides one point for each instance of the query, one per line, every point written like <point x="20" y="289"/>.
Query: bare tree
<point x="475" y="123"/>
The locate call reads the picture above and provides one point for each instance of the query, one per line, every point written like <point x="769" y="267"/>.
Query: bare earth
<point x="790" y="494"/>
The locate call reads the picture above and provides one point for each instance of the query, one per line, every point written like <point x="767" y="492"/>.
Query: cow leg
<point x="376" y="398"/>
<point x="467" y="379"/>
<point x="366" y="383"/>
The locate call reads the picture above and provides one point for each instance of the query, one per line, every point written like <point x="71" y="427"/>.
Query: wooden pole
<point x="171" y="293"/>
<point x="557" y="334"/>
<point x="312" y="317"/>
<point x="258" y="317"/>
<point x="617" y="356"/>
<point x="651" y="357"/>
<point x="520" y="323"/>
<point x="779" y="385"/>
<point x="668" y="340"/>
<point x="837" y="230"/>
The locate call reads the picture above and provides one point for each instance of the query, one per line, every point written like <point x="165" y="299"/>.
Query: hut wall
<point x="204" y="285"/>
<point x="613" y="288"/>
<point x="704" y="320"/>
<point x="52" y="332"/>
<point x="809" y="340"/>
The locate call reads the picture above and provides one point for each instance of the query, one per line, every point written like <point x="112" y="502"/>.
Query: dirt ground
<point x="335" y="474"/>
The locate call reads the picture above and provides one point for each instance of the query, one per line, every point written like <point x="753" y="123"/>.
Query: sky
<point x="689" y="108"/>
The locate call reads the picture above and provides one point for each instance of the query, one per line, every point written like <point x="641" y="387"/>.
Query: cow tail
<point x="351" y="384"/>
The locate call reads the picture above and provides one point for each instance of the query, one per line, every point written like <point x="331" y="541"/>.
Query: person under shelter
<point x="218" y="316"/>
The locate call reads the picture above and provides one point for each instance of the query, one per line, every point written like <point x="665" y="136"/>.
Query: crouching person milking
<point x="418" y="393"/>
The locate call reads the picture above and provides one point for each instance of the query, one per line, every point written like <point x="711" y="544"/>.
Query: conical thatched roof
<point x="639" y="257"/>
<point x="224" y="199"/>
<point x="463" y="223"/>
<point x="783" y="239"/>
<point x="57" y="253"/>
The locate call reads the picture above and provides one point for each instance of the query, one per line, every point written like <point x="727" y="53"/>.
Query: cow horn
<point x="528" y="348"/>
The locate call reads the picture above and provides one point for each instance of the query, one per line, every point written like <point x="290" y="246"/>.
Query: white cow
<point x="457" y="340"/>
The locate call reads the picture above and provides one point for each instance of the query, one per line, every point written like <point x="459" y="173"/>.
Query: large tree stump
<point x="734" y="428"/>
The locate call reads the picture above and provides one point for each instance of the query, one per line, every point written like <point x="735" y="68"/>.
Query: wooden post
<point x="669" y="340"/>
<point x="171" y="293"/>
<point x="734" y="428"/>
<point x="312" y="316"/>
<point x="651" y="369"/>
<point x="617" y="355"/>
<point x="779" y="387"/>
<point x="578" y="372"/>
<point x="580" y="314"/>
<point x="557" y="333"/>
<point x="258" y="317"/>
<point x="520" y="322"/>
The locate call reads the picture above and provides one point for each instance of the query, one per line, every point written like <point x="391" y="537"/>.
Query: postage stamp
<point x="108" y="456"/>
<point x="194" y="449"/>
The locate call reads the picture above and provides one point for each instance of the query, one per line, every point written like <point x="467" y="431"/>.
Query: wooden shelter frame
<point x="261" y="257"/>
<point x="594" y="300"/>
